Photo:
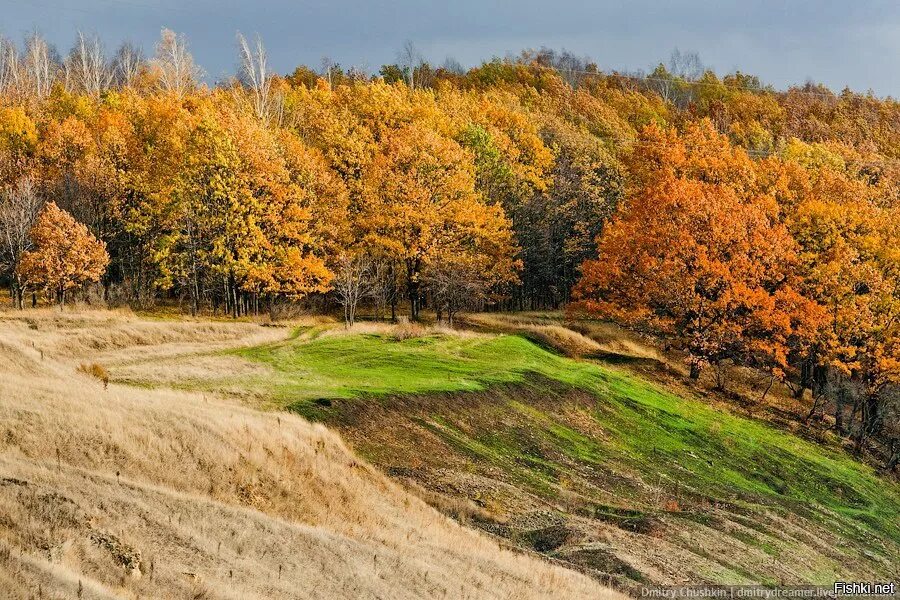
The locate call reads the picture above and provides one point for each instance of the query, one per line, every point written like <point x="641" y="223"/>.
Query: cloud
<point x="782" y="41"/>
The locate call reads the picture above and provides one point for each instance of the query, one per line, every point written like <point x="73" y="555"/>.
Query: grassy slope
<point x="121" y="492"/>
<point x="736" y="475"/>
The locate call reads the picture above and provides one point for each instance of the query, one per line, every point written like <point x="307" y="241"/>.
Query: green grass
<point x="351" y="366"/>
<point x="659" y="436"/>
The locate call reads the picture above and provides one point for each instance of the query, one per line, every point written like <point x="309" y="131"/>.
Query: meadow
<point x="558" y="455"/>
<point x="119" y="491"/>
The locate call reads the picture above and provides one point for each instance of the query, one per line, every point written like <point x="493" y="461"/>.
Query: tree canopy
<point x="746" y="225"/>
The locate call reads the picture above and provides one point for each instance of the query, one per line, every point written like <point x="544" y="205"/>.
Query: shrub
<point x="96" y="371"/>
<point x="406" y="330"/>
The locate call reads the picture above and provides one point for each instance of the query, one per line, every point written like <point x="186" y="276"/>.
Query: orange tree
<point x="697" y="252"/>
<point x="65" y="256"/>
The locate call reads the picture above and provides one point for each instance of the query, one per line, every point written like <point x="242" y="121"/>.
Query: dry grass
<point x="579" y="338"/>
<point x="407" y="331"/>
<point x="614" y="339"/>
<point x="562" y="339"/>
<point x="128" y="493"/>
<point x="403" y="330"/>
<point x="96" y="371"/>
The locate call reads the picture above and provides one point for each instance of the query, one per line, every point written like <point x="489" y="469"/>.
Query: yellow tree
<point x="65" y="254"/>
<point x="240" y="223"/>
<point x="140" y="150"/>
<point x="87" y="158"/>
<point x="512" y="170"/>
<point x="848" y="234"/>
<point x="421" y="203"/>
<point x="473" y="258"/>
<point x="409" y="190"/>
<point x="298" y="206"/>
<point x="18" y="139"/>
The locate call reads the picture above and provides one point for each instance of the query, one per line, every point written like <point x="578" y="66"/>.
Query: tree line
<point x="747" y="225"/>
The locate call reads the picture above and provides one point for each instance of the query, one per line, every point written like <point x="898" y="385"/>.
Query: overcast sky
<point x="852" y="43"/>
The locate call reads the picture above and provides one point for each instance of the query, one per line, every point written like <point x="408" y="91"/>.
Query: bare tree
<point x="127" y="64"/>
<point x="569" y="66"/>
<point x="686" y="65"/>
<point x="87" y="69"/>
<point x="383" y="287"/>
<point x="10" y="68"/>
<point x="328" y="69"/>
<point x="451" y="65"/>
<point x="410" y="60"/>
<point x="39" y="66"/>
<point x="455" y="286"/>
<point x="19" y="207"/>
<point x="255" y="75"/>
<point x="358" y="73"/>
<point x="178" y="74"/>
<point x="351" y="283"/>
<point x="662" y="82"/>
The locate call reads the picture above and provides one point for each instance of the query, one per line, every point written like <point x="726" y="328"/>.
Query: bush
<point x="406" y="330"/>
<point x="96" y="371"/>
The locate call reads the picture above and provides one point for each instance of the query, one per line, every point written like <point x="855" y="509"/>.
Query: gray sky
<point x="850" y="42"/>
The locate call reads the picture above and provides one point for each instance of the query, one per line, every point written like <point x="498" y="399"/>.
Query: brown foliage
<point x="66" y="254"/>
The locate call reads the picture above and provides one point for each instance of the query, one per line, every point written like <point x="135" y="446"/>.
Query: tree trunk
<point x="17" y="294"/>
<point x="893" y="456"/>
<point x="226" y="297"/>
<point x="721" y="374"/>
<point x="814" y="408"/>
<point x="769" y="388"/>
<point x="695" y="370"/>
<point x="839" y="417"/>
<point x="853" y="417"/>
<point x="235" y="307"/>
<point x="195" y="276"/>
<point x="866" y="420"/>
<point x="806" y="377"/>
<point x="839" y="407"/>
<point x="412" y="284"/>
<point x="872" y="414"/>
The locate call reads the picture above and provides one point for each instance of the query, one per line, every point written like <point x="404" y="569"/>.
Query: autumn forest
<point x="742" y="224"/>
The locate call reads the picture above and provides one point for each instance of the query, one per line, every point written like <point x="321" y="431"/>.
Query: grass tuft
<point x="96" y="371"/>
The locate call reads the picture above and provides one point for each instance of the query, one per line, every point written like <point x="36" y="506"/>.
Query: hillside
<point x="123" y="492"/>
<point x="580" y="460"/>
<point x="744" y="227"/>
<point x="539" y="326"/>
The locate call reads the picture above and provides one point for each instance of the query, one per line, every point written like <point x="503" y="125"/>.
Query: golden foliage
<point x="66" y="254"/>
